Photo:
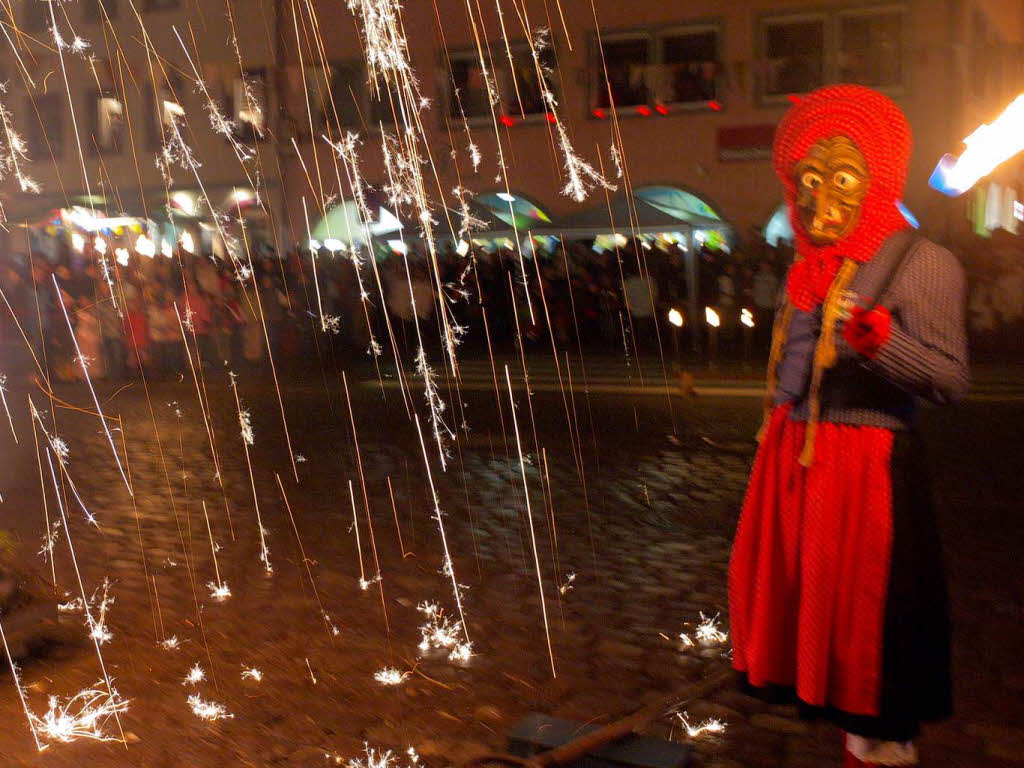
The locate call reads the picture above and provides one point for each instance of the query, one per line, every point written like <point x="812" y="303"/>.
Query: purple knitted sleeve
<point x="927" y="350"/>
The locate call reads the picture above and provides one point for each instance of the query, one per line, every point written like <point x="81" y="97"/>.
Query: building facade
<point x="690" y="94"/>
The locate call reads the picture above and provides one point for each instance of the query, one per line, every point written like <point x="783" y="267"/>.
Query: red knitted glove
<point x="867" y="330"/>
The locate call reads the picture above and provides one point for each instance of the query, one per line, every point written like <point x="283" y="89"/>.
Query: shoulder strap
<point x="893" y="260"/>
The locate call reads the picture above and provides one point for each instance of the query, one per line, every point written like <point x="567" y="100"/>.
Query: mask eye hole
<point x="811" y="180"/>
<point x="846" y="181"/>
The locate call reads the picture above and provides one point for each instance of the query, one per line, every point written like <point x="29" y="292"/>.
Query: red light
<point x="794" y="98"/>
<point x="661" y="109"/>
<point x="715" y="106"/>
<point x="644" y="110"/>
<point x="551" y="118"/>
<point x="507" y="121"/>
<point x="600" y="114"/>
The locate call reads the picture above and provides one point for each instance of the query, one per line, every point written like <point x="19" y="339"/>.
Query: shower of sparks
<point x="49" y="541"/>
<point x="373" y="758"/>
<point x="330" y="623"/>
<point x="580" y="176"/>
<point x="712" y="726"/>
<point x="708" y="631"/>
<point x="171" y="643"/>
<point x="195" y="676"/>
<point x="391" y="676"/>
<point x="311" y="675"/>
<point x="207" y="710"/>
<point x="83" y="716"/>
<point x="440" y="632"/>
<point x="98" y="627"/>
<point x="252" y="674"/>
<point x="13" y="152"/>
<point x="220" y="591"/>
<point x="245" y="421"/>
<point x="566" y="587"/>
<point x="365" y="584"/>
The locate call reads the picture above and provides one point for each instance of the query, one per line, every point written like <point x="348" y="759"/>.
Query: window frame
<point x="158" y="6"/>
<point x="691" y="28"/>
<point x="519" y="48"/>
<point x="832" y="21"/>
<point x="597" y="69"/>
<point x="880" y="9"/>
<point x="764" y="21"/>
<point x="40" y="141"/>
<point x="96" y="95"/>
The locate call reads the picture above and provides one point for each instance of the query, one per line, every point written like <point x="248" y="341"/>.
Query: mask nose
<point x="826" y="211"/>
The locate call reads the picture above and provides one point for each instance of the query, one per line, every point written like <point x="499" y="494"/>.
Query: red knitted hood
<point x="880" y="130"/>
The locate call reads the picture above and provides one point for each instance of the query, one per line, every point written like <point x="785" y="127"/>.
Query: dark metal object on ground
<point x="542" y="732"/>
<point x="575" y="751"/>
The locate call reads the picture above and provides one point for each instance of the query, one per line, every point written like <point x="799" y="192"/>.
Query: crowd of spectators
<point x="308" y="307"/>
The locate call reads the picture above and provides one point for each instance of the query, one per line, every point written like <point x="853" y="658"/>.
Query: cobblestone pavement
<point x="642" y="515"/>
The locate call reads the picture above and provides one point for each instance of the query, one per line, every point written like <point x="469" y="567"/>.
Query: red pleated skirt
<point x="810" y="565"/>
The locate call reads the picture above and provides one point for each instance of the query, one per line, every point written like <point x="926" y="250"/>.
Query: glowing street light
<point x="188" y="243"/>
<point x="712" y="317"/>
<point x="165" y="248"/>
<point x="747" y="317"/>
<point x="121" y="254"/>
<point x="77" y="242"/>
<point x="100" y="245"/>
<point x="145" y="247"/>
<point x="675" y="317"/>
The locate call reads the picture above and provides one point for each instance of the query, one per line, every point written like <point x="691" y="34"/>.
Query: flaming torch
<point x="987" y="147"/>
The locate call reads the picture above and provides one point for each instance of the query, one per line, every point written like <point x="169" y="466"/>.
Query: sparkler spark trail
<point x="207" y="710"/>
<point x="529" y="517"/>
<point x="218" y="589"/>
<point x="264" y="552"/>
<point x="391" y="676"/>
<point x="82" y="716"/>
<point x="88" y="380"/>
<point x="252" y="674"/>
<point x="195" y="676"/>
<point x="3" y="399"/>
<point x="17" y="685"/>
<point x="712" y="725"/>
<point x="449" y="567"/>
<point x="91" y="699"/>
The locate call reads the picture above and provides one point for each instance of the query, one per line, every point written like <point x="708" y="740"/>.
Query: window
<point x="162" y="5"/>
<point x="794" y="55"/>
<point x="468" y="88"/>
<point x="107" y="122"/>
<point x="857" y="45"/>
<point x="517" y="87"/>
<point x="46" y="134"/>
<point x="163" y="109"/>
<point x="689" y="66"/>
<point x="250" y="104"/>
<point x="870" y="48"/>
<point x="342" y="93"/>
<point x="627" y="60"/>
<point x="99" y="10"/>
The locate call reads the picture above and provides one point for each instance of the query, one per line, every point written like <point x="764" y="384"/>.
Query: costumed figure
<point x="836" y="590"/>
